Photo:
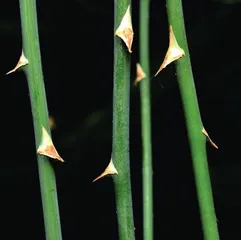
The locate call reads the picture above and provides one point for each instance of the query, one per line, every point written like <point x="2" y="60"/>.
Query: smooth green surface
<point x="146" y="122"/>
<point x="194" y="124"/>
<point x="34" y="75"/>
<point x="120" y="149"/>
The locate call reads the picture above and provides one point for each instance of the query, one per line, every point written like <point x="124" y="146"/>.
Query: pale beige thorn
<point x="46" y="146"/>
<point x="209" y="139"/>
<point x="139" y="74"/>
<point x="109" y="170"/>
<point x="174" y="52"/>
<point x="22" y="62"/>
<point x="125" y="30"/>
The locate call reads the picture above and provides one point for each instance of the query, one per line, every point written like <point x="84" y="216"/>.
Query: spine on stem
<point x="121" y="91"/>
<point x="197" y="138"/>
<point x="34" y="74"/>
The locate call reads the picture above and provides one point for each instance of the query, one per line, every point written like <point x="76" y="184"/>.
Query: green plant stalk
<point x="40" y="115"/>
<point x="120" y="148"/>
<point x="197" y="140"/>
<point x="146" y="122"/>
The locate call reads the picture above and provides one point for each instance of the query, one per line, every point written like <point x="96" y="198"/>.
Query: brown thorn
<point x="46" y="146"/>
<point x="174" y="52"/>
<point x="208" y="138"/>
<point x="109" y="170"/>
<point x="139" y="74"/>
<point x="125" y="30"/>
<point x="22" y="61"/>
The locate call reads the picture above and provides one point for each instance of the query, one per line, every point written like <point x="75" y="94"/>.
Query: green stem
<point x="146" y="122"/>
<point x="120" y="149"/>
<point x="40" y="115"/>
<point x="197" y="140"/>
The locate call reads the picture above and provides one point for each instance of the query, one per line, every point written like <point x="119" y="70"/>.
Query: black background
<point x="76" y="39"/>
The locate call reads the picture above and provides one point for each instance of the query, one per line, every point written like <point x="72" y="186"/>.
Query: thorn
<point x="208" y="138"/>
<point x="109" y="170"/>
<point x="139" y="74"/>
<point x="47" y="147"/>
<point x="174" y="52"/>
<point x="22" y="61"/>
<point x="125" y="30"/>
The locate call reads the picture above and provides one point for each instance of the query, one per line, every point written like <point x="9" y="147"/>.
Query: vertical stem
<point x="146" y="122"/>
<point x="120" y="149"/>
<point x="34" y="75"/>
<point x="194" y="124"/>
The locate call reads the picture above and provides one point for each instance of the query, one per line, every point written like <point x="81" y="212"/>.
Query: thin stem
<point x="120" y="149"/>
<point x="34" y="75"/>
<point x="146" y="122"/>
<point x="194" y="124"/>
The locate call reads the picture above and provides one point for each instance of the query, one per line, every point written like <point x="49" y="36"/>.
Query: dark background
<point x="76" y="39"/>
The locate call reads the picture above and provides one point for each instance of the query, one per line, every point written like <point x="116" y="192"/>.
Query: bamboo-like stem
<point x="34" y="76"/>
<point x="120" y="148"/>
<point x="146" y="122"/>
<point x="197" y="140"/>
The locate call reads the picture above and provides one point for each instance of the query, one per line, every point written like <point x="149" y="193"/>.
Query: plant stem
<point x="197" y="140"/>
<point x="120" y="148"/>
<point x="146" y="122"/>
<point x="40" y="115"/>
